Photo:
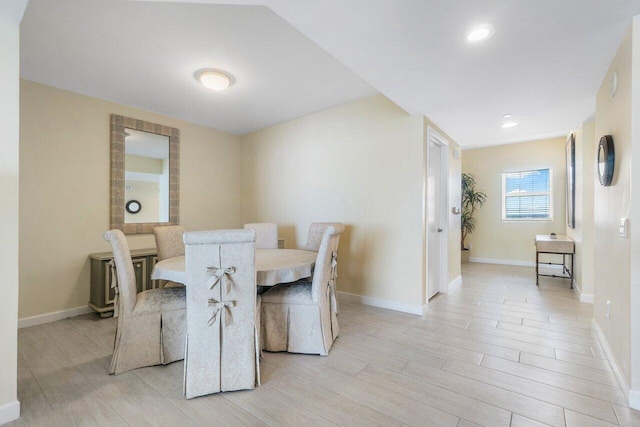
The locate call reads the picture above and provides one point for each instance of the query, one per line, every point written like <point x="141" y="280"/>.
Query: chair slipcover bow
<point x="221" y="347"/>
<point x="216" y="275"/>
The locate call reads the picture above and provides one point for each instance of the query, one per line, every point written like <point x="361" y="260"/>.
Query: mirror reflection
<point x="146" y="176"/>
<point x="601" y="161"/>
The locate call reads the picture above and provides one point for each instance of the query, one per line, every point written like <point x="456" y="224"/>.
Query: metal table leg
<point x="571" y="273"/>
<point x="537" y="277"/>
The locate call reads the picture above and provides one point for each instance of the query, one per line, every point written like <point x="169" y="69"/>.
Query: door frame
<point x="434" y="136"/>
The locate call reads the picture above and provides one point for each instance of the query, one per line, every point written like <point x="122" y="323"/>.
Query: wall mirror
<point x="571" y="181"/>
<point x="145" y="168"/>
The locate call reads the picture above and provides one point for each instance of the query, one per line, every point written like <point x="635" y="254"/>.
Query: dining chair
<point x="151" y="324"/>
<point x="301" y="317"/>
<point x="266" y="234"/>
<point x="169" y="244"/>
<point x="316" y="232"/>
<point x="222" y="345"/>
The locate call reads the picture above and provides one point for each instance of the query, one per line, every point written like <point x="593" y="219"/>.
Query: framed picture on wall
<point x="571" y="181"/>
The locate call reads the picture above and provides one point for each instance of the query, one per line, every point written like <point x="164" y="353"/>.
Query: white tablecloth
<point x="273" y="266"/>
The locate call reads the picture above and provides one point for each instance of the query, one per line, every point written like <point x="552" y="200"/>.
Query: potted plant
<point x="472" y="200"/>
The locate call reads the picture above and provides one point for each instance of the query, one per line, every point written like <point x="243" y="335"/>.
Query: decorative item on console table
<point x="102" y="292"/>
<point x="472" y="200"/>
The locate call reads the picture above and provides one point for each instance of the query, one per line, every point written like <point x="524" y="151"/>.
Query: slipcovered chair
<point x="301" y="317"/>
<point x="266" y="234"/>
<point x="222" y="346"/>
<point x="151" y="324"/>
<point x="169" y="245"/>
<point x="316" y="232"/>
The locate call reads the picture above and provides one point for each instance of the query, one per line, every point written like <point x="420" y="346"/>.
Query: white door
<point x="436" y="214"/>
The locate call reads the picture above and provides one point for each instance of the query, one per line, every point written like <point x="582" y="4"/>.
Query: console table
<point x="559" y="245"/>
<point x="102" y="294"/>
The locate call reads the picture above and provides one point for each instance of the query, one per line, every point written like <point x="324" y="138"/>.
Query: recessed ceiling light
<point x="507" y="116"/>
<point x="481" y="32"/>
<point x="509" y="124"/>
<point x="214" y="79"/>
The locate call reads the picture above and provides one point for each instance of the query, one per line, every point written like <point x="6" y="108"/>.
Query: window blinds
<point x="527" y="195"/>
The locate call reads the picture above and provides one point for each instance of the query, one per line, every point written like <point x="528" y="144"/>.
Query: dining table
<point x="273" y="266"/>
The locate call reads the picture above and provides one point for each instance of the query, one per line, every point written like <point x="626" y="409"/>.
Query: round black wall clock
<point x="606" y="160"/>
<point x="133" y="206"/>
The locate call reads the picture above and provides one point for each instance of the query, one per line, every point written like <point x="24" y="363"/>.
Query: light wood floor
<point x="496" y="352"/>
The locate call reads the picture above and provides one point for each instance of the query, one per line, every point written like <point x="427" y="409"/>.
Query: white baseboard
<point x="455" y="284"/>
<point x="613" y="362"/>
<point x="514" y="263"/>
<point x="376" y="302"/>
<point x="9" y="412"/>
<point x="52" y="317"/>
<point x="502" y="262"/>
<point x="634" y="399"/>
<point x="588" y="298"/>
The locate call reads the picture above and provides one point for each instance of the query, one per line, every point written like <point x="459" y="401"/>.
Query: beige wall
<point x="374" y="185"/>
<point x="9" y="176"/>
<point x="360" y="164"/>
<point x="612" y="253"/>
<point x="64" y="190"/>
<point x="513" y="241"/>
<point x="576" y="233"/>
<point x="589" y="181"/>
<point x="634" y="218"/>
<point x="583" y="233"/>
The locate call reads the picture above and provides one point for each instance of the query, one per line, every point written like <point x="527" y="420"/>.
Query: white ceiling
<point x="146" y="54"/>
<point x="544" y="63"/>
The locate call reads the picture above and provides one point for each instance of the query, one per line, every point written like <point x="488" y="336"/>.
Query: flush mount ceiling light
<point x="214" y="79"/>
<point x="509" y="124"/>
<point x="507" y="116"/>
<point x="481" y="33"/>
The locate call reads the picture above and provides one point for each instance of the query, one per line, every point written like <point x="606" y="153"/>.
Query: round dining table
<point x="273" y="266"/>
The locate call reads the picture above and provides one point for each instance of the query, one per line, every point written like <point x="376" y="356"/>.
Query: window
<point x="526" y="195"/>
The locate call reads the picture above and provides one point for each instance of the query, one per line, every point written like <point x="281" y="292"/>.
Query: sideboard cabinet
<point x="102" y="294"/>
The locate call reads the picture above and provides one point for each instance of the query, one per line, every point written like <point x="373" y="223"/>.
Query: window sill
<point x="527" y="220"/>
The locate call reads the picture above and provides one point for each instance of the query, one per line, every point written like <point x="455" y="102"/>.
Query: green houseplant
<point x="472" y="200"/>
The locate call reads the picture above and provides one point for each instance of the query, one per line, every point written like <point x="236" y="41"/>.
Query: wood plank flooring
<point x="497" y="352"/>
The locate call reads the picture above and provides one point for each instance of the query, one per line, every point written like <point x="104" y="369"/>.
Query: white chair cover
<point x="169" y="244"/>
<point x="169" y="241"/>
<point x="151" y="324"/>
<point x="222" y="337"/>
<point x="266" y="234"/>
<point x="302" y="317"/>
<point x="316" y="232"/>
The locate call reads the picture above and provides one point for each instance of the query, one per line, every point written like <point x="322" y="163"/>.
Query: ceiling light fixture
<point x="481" y="33"/>
<point x="214" y="79"/>
<point x="507" y="116"/>
<point x="509" y="124"/>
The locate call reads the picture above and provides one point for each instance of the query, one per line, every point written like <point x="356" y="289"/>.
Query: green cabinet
<point x="102" y="294"/>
